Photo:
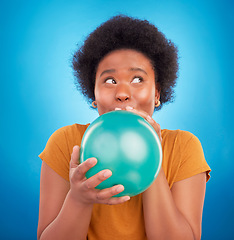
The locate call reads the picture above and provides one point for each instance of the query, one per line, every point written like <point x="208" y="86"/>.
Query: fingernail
<point x="129" y="108"/>
<point x="126" y="198"/>
<point x="74" y="147"/>
<point x="107" y="174"/>
<point x="119" y="189"/>
<point x="118" y="109"/>
<point x="148" y="118"/>
<point x="92" y="161"/>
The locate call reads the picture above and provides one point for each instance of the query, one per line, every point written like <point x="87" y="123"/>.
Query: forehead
<point x="125" y="58"/>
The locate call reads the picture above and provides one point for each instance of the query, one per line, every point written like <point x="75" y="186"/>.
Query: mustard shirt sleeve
<point x="192" y="157"/>
<point x="58" y="150"/>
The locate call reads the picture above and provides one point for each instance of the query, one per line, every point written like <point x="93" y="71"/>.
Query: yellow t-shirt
<point x="182" y="158"/>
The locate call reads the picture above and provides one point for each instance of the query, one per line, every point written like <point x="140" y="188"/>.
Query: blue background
<point x="37" y="40"/>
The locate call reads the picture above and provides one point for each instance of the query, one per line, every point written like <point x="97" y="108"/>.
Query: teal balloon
<point x="126" y="144"/>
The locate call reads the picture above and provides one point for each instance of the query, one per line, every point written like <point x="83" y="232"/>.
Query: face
<point x="125" y="78"/>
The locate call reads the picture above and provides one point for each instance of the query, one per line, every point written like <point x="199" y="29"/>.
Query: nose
<point x="123" y="93"/>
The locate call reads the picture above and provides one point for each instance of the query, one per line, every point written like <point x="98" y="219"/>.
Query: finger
<point x="75" y="156"/>
<point x="141" y="113"/>
<point x="148" y="118"/>
<point x="117" y="200"/>
<point x="105" y="196"/>
<point x="83" y="168"/>
<point x="107" y="193"/>
<point x="98" y="178"/>
<point x="155" y="125"/>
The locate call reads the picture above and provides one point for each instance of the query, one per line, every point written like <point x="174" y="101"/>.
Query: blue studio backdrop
<point x="38" y="96"/>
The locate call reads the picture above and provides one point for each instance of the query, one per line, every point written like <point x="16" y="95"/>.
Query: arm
<point x="175" y="213"/>
<point x="59" y="215"/>
<point x="65" y="208"/>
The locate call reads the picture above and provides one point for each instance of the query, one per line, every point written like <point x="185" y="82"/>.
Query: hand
<point x="83" y="189"/>
<point x="147" y="117"/>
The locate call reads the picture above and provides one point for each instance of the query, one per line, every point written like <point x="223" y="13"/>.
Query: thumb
<point x="75" y="157"/>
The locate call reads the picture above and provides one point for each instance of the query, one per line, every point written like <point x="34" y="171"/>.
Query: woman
<point x="124" y="64"/>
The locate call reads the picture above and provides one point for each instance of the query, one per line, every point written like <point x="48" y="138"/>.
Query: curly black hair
<point x="124" y="32"/>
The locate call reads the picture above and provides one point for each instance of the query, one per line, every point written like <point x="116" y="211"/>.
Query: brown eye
<point x="137" y="80"/>
<point x="110" y="81"/>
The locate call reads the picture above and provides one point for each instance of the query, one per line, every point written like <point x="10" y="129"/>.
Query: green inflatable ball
<point x="126" y="144"/>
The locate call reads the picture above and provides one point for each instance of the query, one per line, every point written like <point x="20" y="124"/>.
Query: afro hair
<point x="124" y="32"/>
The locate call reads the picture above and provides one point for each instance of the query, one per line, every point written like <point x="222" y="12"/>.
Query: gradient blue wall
<point x="37" y="39"/>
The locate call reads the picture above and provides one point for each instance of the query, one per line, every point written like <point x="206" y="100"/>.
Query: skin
<point x="125" y="80"/>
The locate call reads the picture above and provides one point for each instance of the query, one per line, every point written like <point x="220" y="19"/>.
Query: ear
<point x="157" y="92"/>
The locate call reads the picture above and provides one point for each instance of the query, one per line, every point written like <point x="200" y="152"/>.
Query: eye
<point x="137" y="80"/>
<point x="110" y="81"/>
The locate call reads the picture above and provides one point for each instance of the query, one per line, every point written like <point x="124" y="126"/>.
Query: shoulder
<point x="65" y="138"/>
<point x="71" y="129"/>
<point x="177" y="137"/>
<point x="177" y="133"/>
<point x="183" y="145"/>
<point x="184" y="151"/>
<point x="70" y="132"/>
<point x="58" y="150"/>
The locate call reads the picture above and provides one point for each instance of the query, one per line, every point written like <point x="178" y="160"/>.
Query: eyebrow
<point x="130" y="69"/>
<point x="107" y="71"/>
<point x="138" y="69"/>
